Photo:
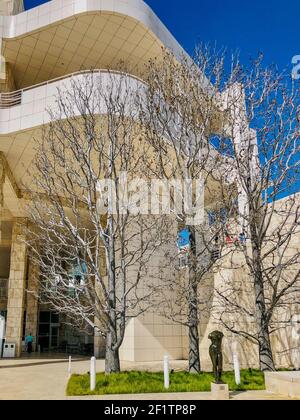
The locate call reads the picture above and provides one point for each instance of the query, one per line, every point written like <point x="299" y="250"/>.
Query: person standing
<point x="28" y="343"/>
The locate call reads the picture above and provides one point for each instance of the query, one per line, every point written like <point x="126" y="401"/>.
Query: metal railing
<point x="8" y="100"/>
<point x="11" y="99"/>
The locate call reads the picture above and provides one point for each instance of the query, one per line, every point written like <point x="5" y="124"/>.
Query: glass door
<point x="54" y="337"/>
<point x="48" y="331"/>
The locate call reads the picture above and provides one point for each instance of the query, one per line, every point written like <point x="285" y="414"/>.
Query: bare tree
<point x="261" y="135"/>
<point x="237" y="129"/>
<point x="178" y="112"/>
<point x="91" y="246"/>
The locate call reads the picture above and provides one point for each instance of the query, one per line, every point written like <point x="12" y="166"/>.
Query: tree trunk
<point x="194" y="353"/>
<point x="112" y="359"/>
<point x="266" y="360"/>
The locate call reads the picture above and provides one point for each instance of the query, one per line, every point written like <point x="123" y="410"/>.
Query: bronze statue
<point x="215" y="352"/>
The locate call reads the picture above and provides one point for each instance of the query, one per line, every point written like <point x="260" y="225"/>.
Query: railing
<point x="3" y="289"/>
<point x="11" y="99"/>
<point x="8" y="100"/>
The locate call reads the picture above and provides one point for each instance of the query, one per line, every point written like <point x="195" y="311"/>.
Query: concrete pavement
<point x="45" y="378"/>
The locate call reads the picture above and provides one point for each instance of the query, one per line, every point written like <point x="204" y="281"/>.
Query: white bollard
<point x="70" y="366"/>
<point x="166" y="372"/>
<point x="237" y="372"/>
<point x="93" y="374"/>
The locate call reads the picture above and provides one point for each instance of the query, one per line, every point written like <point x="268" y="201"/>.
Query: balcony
<point x="15" y="98"/>
<point x="28" y="108"/>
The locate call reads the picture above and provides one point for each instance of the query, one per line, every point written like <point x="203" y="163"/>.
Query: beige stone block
<point x="127" y="355"/>
<point x="284" y="383"/>
<point x="14" y="312"/>
<point x="140" y="329"/>
<point x="177" y="330"/>
<point x="148" y="319"/>
<point x="176" y="342"/>
<point x="146" y="355"/>
<point x="176" y="354"/>
<point x="219" y="392"/>
<point x="15" y="293"/>
<point x="158" y="355"/>
<point x="168" y="330"/>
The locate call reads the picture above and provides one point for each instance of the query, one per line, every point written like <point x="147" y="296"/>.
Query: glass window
<point x="45" y="317"/>
<point x="54" y="318"/>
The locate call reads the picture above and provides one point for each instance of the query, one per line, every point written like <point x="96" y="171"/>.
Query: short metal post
<point x="237" y="372"/>
<point x="70" y="366"/>
<point x="93" y="374"/>
<point x="236" y="363"/>
<point x="166" y="372"/>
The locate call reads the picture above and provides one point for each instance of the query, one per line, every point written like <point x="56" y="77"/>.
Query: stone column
<point x="16" y="287"/>
<point x="2" y="181"/>
<point x="32" y="302"/>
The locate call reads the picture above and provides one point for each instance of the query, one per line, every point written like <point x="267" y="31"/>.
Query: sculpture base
<point x="220" y="392"/>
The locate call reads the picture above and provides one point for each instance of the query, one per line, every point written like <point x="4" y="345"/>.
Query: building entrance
<point x="48" y="336"/>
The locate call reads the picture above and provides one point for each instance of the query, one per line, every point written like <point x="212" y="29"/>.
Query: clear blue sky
<point x="268" y="26"/>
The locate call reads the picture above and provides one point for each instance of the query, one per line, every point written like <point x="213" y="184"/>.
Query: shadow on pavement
<point x="41" y="362"/>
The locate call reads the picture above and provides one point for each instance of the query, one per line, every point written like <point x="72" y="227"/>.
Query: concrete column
<point x="32" y="301"/>
<point x="16" y="286"/>
<point x="2" y="181"/>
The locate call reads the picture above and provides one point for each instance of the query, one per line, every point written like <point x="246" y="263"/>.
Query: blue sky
<point x="268" y="26"/>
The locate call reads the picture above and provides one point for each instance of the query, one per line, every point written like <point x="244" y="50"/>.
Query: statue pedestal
<point x="220" y="392"/>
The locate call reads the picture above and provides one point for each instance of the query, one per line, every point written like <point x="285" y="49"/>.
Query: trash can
<point x="9" y="351"/>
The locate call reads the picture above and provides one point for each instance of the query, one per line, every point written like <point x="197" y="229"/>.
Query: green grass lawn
<point x="146" y="382"/>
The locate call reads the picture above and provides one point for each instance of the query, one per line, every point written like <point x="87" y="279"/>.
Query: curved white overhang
<point x="57" y="10"/>
<point x="26" y="112"/>
<point x="29" y="108"/>
<point x="63" y="36"/>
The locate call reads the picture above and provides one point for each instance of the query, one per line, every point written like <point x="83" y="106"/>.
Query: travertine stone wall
<point x="17" y="282"/>
<point x="2" y="181"/>
<point x="32" y="301"/>
<point x="151" y="336"/>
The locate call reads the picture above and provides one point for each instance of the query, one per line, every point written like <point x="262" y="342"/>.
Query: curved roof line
<point x="57" y="10"/>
